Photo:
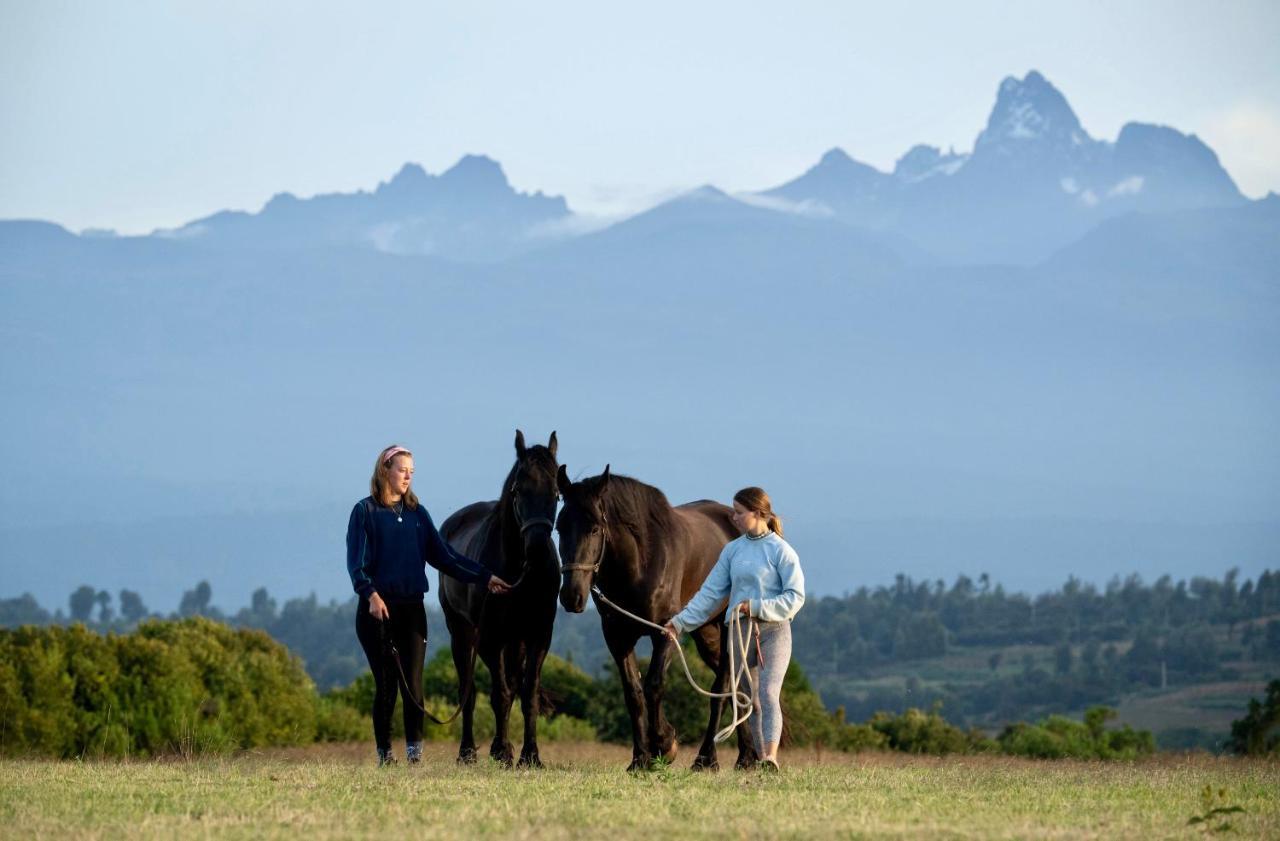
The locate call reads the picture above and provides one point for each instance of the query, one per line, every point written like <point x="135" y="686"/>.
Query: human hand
<point x="670" y="630"/>
<point x="497" y="586"/>
<point x="745" y="608"/>
<point x="378" y="608"/>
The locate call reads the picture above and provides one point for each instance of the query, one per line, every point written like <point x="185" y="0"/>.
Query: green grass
<point x="336" y="792"/>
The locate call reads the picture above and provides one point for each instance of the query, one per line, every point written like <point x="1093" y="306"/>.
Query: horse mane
<point x="637" y="506"/>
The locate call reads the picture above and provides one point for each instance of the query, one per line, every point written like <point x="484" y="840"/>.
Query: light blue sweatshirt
<point x="764" y="571"/>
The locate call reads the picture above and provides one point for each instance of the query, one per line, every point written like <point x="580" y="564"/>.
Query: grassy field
<point x="335" y="792"/>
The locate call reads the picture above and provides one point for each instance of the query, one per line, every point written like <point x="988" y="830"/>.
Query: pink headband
<point x="391" y="452"/>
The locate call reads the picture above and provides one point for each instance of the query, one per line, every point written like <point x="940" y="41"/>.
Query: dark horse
<point x="511" y="632"/>
<point x="624" y="537"/>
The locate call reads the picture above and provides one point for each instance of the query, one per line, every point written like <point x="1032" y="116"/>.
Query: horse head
<point x="529" y="506"/>
<point x="584" y="535"/>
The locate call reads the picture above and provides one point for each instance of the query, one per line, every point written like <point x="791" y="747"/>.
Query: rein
<point x="404" y="681"/>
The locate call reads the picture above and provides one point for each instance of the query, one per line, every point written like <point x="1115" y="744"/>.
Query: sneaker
<point x="385" y="758"/>
<point x="413" y="752"/>
<point x="769" y="766"/>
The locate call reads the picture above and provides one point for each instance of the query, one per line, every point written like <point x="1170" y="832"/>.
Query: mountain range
<point x="1034" y="182"/>
<point x="1048" y="355"/>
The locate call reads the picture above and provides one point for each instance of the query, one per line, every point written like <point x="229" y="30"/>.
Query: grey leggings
<point x="766" y="679"/>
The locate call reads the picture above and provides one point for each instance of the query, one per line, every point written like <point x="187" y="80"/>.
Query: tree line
<point x="1061" y="650"/>
<point x="196" y="686"/>
<point x="1065" y="649"/>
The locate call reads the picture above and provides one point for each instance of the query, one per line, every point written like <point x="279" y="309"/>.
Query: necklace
<point x="398" y="512"/>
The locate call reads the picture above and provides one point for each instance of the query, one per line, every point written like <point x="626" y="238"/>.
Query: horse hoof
<point x="706" y="763"/>
<point x="638" y="764"/>
<point x="529" y="760"/>
<point x="502" y="753"/>
<point x="467" y="757"/>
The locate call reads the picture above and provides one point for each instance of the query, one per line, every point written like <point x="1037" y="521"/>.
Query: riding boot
<point x="385" y="757"/>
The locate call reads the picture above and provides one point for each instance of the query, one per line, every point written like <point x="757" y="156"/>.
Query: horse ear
<point x="604" y="478"/>
<point x="519" y="444"/>
<point x="562" y="480"/>
<point x="552" y="445"/>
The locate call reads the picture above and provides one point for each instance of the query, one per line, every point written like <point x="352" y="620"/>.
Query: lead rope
<point x="404" y="681"/>
<point x="737" y="671"/>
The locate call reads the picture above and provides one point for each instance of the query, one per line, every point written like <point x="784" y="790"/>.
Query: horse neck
<point x="632" y="557"/>
<point x="506" y="531"/>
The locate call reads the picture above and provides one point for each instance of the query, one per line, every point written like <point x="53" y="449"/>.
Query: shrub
<point x="916" y="731"/>
<point x="1057" y="737"/>
<point x="188" y="686"/>
<point x="1258" y="733"/>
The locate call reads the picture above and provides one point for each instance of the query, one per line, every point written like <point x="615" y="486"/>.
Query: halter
<point x="604" y="547"/>
<point x="525" y="525"/>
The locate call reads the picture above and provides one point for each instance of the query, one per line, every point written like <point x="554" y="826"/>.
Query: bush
<point x="916" y="731"/>
<point x="189" y="686"/>
<point x="852" y="738"/>
<point x="339" y="722"/>
<point x="1258" y="733"/>
<point x="1057" y="737"/>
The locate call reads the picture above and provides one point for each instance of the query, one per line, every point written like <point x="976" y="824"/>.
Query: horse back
<point x="709" y="526"/>
<point x="466" y="530"/>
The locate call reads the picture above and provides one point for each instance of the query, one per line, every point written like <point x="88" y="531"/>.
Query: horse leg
<point x="708" y="641"/>
<point x="530" y="686"/>
<point x="462" y="637"/>
<point x="662" y="736"/>
<point x="500" y="700"/>
<point x="622" y="647"/>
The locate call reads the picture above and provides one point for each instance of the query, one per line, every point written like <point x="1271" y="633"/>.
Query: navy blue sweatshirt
<point x="390" y="556"/>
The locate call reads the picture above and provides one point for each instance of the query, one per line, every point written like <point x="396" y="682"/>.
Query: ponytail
<point x="755" y="499"/>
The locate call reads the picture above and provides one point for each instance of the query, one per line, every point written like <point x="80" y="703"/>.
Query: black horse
<point x="511" y="632"/>
<point x="623" y="536"/>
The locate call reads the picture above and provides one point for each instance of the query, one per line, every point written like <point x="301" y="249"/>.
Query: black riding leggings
<point x="407" y="628"/>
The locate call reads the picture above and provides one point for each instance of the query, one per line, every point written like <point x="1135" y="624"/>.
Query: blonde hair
<point x="381" y="470"/>
<point x="755" y="499"/>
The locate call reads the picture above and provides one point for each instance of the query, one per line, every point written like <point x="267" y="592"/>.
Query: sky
<point x="141" y="115"/>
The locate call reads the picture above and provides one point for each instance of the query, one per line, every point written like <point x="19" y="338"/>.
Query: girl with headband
<point x="390" y="539"/>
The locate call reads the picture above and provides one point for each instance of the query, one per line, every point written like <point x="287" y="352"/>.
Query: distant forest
<point x="986" y="655"/>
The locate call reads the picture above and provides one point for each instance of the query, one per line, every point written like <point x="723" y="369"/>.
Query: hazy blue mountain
<point x="840" y="186"/>
<point x="176" y="414"/>
<point x="1034" y="182"/>
<point x="207" y="405"/>
<point x="469" y="212"/>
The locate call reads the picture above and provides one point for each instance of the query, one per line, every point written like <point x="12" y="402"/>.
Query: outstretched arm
<point x="704" y="602"/>
<point x="445" y="558"/>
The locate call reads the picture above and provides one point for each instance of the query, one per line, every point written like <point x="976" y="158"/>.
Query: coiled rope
<point x="737" y="670"/>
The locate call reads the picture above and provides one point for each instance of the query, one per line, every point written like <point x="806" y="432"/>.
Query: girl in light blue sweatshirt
<point x="760" y="575"/>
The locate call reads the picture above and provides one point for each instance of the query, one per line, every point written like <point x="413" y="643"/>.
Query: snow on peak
<point x="1032" y="109"/>
<point x="921" y="162"/>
